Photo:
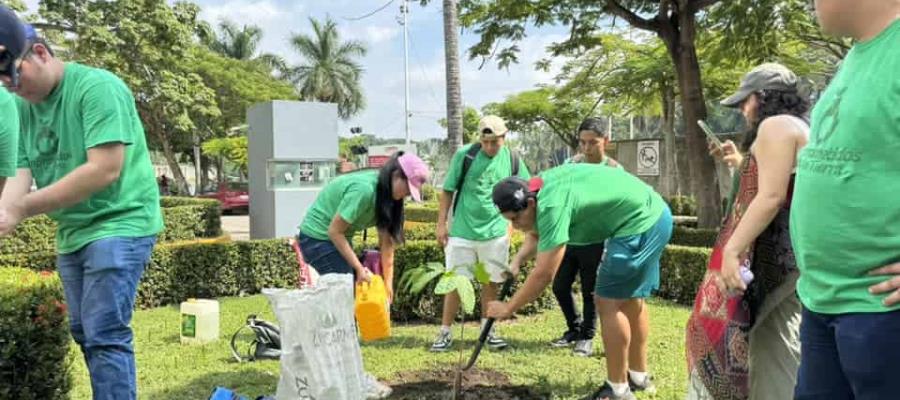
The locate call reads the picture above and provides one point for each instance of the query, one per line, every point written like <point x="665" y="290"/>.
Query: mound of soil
<point x="476" y="384"/>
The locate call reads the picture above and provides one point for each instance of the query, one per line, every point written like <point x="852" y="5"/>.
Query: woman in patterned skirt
<point x="743" y="339"/>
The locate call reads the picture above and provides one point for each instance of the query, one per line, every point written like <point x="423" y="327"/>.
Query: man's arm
<point x="103" y="166"/>
<point x="16" y="187"/>
<point x="446" y="200"/>
<point x="538" y="280"/>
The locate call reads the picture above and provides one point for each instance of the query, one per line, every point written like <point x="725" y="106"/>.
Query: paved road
<point x="238" y="226"/>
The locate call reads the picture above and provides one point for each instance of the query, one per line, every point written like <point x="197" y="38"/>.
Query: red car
<point x="232" y="196"/>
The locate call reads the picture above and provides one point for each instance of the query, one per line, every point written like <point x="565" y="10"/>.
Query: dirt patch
<point x="476" y="384"/>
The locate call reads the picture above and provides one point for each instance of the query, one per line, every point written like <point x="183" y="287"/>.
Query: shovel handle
<point x="486" y="329"/>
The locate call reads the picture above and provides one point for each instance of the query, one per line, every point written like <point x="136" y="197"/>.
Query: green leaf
<point x="466" y="293"/>
<point x="423" y="281"/>
<point x="447" y="283"/>
<point x="481" y="274"/>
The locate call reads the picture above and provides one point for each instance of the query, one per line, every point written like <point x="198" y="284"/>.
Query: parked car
<point x="234" y="197"/>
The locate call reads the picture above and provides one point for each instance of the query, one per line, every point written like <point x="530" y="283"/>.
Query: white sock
<point x="638" y="377"/>
<point x="445" y="329"/>
<point x="618" y="388"/>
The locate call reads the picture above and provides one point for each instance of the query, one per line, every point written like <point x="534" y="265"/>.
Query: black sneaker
<point x="567" y="339"/>
<point x="442" y="342"/>
<point x="495" y="342"/>
<point x="606" y="392"/>
<point x="645" y="386"/>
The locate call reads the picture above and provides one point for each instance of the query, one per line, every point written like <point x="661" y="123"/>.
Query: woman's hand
<point x="731" y="271"/>
<point x="728" y="153"/>
<point x="363" y="274"/>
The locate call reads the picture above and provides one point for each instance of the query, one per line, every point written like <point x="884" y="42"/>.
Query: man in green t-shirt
<point x="845" y="216"/>
<point x="9" y="136"/>
<point x="583" y="204"/>
<point x="477" y="232"/>
<point x="582" y="261"/>
<point x="82" y="142"/>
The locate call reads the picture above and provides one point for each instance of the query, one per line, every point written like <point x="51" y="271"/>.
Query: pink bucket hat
<point x="417" y="173"/>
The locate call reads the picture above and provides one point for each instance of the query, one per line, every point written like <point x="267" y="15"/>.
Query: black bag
<point x="467" y="163"/>
<point x="266" y="345"/>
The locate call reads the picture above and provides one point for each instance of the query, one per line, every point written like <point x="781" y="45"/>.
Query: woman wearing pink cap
<point x="357" y="201"/>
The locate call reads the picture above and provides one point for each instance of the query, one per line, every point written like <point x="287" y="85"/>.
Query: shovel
<point x="485" y="331"/>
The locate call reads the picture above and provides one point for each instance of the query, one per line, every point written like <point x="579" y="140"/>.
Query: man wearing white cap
<point x="477" y="232"/>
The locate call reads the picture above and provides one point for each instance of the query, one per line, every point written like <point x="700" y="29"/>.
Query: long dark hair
<point x="389" y="212"/>
<point x="773" y="103"/>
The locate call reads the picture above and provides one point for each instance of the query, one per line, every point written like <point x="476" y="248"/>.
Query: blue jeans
<point x="323" y="256"/>
<point x="100" y="282"/>
<point x="849" y="356"/>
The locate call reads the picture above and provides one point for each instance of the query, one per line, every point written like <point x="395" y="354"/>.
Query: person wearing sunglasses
<point x="587" y="204"/>
<point x="82" y="142"/>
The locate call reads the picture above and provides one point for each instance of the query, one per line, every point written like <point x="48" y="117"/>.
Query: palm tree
<point x="241" y="43"/>
<point x="330" y="72"/>
<point x="451" y="59"/>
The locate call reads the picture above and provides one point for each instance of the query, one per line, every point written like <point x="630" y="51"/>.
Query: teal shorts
<point x="630" y="268"/>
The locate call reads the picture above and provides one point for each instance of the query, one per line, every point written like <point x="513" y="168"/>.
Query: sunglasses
<point x="8" y="62"/>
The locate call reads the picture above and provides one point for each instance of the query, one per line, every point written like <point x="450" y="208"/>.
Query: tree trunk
<point x="668" y="128"/>
<point x="204" y="175"/>
<point x="180" y="181"/>
<point x="451" y="56"/>
<point x="704" y="180"/>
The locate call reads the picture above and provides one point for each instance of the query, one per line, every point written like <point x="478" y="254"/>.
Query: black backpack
<point x="467" y="162"/>
<point x="266" y="345"/>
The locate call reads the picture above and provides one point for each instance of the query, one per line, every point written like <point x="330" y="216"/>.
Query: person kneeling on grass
<point x="582" y="204"/>
<point x="354" y="202"/>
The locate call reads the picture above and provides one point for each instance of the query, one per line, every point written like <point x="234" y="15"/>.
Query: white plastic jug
<point x="199" y="321"/>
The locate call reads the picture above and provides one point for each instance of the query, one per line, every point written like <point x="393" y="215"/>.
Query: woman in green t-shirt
<point x="358" y="201"/>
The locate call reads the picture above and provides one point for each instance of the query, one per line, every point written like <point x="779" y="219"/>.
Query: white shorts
<point x="493" y="253"/>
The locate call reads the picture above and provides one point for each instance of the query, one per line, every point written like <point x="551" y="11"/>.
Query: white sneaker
<point x="583" y="348"/>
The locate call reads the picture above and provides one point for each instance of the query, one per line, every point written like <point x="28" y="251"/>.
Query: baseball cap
<point x="492" y="126"/>
<point x="511" y="194"/>
<point x="768" y="76"/>
<point x="15" y="37"/>
<point x="417" y="173"/>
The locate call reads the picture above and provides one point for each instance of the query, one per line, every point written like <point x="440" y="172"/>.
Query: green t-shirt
<point x="583" y="204"/>
<point x="352" y="196"/>
<point x="845" y="216"/>
<point x="607" y="161"/>
<point x="9" y="134"/>
<point x="476" y="217"/>
<point x="91" y="107"/>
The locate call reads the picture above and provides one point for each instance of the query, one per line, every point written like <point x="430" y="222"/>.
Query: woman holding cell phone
<point x="743" y="335"/>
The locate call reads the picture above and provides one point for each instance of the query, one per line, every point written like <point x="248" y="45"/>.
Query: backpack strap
<point x="467" y="163"/>
<point x="514" y="163"/>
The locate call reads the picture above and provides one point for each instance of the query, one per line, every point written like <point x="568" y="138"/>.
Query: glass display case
<point x="299" y="174"/>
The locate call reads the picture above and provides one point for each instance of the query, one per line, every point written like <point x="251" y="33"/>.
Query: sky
<point x="383" y="79"/>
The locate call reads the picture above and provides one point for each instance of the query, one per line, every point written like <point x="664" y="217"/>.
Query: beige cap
<point x="492" y="126"/>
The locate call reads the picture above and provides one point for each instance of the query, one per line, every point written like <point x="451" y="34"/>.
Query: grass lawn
<point x="168" y="370"/>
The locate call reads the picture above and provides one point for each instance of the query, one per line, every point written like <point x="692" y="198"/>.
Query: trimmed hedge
<point x="34" y="336"/>
<point x="692" y="237"/>
<point x="215" y="269"/>
<point x="185" y="219"/>
<point x="681" y="271"/>
<point x="682" y="205"/>
<point x="421" y="213"/>
<point x="211" y="217"/>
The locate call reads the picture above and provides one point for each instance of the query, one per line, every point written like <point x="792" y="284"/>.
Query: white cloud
<point x="370" y="35"/>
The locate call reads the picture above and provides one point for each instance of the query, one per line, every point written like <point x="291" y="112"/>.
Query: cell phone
<point x="709" y="133"/>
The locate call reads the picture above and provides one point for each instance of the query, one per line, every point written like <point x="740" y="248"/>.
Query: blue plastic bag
<point x="225" y="394"/>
